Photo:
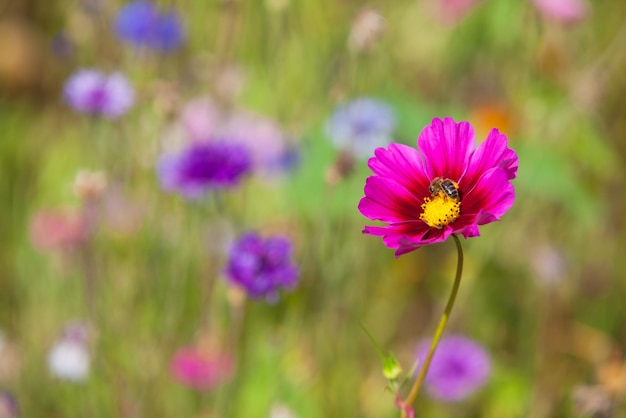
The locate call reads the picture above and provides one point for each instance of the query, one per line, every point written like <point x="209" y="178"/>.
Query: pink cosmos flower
<point x="201" y="370"/>
<point x="446" y="186"/>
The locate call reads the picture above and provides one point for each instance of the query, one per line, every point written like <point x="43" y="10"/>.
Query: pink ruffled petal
<point x="510" y="163"/>
<point x="432" y="236"/>
<point x="491" y="198"/>
<point x="466" y="225"/>
<point x="493" y="152"/>
<point x="446" y="146"/>
<point x="409" y="236"/>
<point x="393" y="235"/>
<point x="395" y="232"/>
<point x="485" y="217"/>
<point x="402" y="164"/>
<point x="387" y="201"/>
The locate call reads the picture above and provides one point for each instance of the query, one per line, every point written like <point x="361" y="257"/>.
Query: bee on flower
<point x="446" y="186"/>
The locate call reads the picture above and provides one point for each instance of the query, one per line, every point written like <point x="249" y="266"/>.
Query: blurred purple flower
<point x="361" y="125"/>
<point x="201" y="370"/>
<point x="142" y="25"/>
<point x="9" y="408"/>
<point x="563" y="11"/>
<point x="94" y="92"/>
<point x="262" y="266"/>
<point x="459" y="368"/>
<point x="204" y="166"/>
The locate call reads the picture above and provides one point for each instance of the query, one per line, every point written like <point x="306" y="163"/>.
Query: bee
<point x="449" y="187"/>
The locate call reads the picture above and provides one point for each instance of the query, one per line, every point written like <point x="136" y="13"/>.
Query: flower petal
<point x="387" y="201"/>
<point x="493" y="152"/>
<point x="470" y="228"/>
<point x="446" y="146"/>
<point x="404" y="165"/>
<point x="492" y="197"/>
<point x="399" y="234"/>
<point x="409" y="236"/>
<point x="432" y="236"/>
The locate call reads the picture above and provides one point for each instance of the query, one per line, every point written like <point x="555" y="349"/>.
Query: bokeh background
<point x="92" y="249"/>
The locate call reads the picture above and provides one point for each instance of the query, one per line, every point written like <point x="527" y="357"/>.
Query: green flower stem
<point x="442" y="324"/>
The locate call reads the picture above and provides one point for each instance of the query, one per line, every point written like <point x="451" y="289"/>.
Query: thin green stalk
<point x="442" y="324"/>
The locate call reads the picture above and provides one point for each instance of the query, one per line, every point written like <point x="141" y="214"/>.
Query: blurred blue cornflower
<point x="361" y="126"/>
<point x="95" y="92"/>
<point x="459" y="367"/>
<point x="262" y="266"/>
<point x="204" y="166"/>
<point x="143" y="25"/>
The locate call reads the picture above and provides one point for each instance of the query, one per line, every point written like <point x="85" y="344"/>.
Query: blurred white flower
<point x="89" y="184"/>
<point x="69" y="358"/>
<point x="367" y="28"/>
<point x="281" y="411"/>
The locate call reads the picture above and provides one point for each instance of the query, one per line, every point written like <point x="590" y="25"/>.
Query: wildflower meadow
<point x="312" y="209"/>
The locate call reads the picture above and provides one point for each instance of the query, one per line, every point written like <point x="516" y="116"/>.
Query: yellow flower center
<point x="440" y="210"/>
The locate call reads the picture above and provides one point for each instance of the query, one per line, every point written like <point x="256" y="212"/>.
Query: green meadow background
<point x="543" y="290"/>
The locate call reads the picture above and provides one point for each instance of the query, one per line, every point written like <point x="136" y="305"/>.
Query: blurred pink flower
<point x="563" y="11"/>
<point x="57" y="229"/>
<point x="453" y="11"/>
<point x="200" y="117"/>
<point x="262" y="136"/>
<point x="201" y="370"/>
<point x="9" y="407"/>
